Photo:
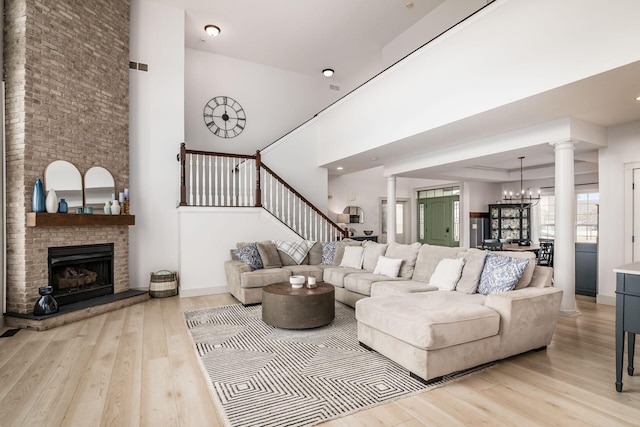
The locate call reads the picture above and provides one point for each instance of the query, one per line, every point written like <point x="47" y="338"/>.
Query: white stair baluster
<point x="210" y="199"/>
<point x="276" y="208"/>
<point x="216" y="185"/>
<point x="190" y="179"/>
<point x="229" y="175"/>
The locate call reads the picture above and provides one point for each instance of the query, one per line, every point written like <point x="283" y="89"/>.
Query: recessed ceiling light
<point x="339" y="168"/>
<point x="637" y="98"/>
<point x="409" y="5"/>
<point x="373" y="159"/>
<point x="327" y="72"/>
<point x="212" y="30"/>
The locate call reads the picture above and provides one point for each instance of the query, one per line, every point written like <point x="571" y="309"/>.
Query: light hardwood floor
<point x="136" y="366"/>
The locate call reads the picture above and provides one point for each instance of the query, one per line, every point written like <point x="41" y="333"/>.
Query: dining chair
<point x="545" y="254"/>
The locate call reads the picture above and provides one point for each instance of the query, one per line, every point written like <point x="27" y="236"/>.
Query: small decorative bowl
<point x="368" y="232"/>
<point x="297" y="281"/>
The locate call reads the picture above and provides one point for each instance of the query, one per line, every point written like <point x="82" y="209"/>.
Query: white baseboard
<point x="198" y="292"/>
<point x="605" y="299"/>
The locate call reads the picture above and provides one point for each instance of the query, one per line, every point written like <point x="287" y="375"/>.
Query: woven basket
<point x="163" y="283"/>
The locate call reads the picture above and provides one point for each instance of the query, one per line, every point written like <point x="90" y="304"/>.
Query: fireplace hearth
<point x="81" y="272"/>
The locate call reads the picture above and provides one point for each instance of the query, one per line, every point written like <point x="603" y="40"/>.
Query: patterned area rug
<point x="264" y="376"/>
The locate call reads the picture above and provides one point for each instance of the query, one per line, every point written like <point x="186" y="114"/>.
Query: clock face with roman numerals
<point x="224" y="117"/>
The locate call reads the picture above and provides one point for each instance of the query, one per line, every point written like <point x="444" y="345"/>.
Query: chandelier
<point x="524" y="197"/>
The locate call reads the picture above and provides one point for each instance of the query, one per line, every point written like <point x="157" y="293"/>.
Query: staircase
<point x="235" y="180"/>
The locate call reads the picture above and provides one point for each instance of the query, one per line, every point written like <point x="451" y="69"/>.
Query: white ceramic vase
<point x="51" y="202"/>
<point x="115" y="207"/>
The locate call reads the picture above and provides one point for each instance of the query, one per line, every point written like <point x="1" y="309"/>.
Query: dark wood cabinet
<point x="510" y="222"/>
<point x="363" y="238"/>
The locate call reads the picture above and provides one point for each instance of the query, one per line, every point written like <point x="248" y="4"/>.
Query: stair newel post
<point x="258" y="190"/>
<point x="183" y="172"/>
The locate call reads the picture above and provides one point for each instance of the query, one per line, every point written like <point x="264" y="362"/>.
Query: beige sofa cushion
<point x="428" y="258"/>
<point x="372" y="251"/>
<point x="399" y="287"/>
<point x="408" y="254"/>
<point x="263" y="277"/>
<point x="361" y="283"/>
<point x="527" y="275"/>
<point x="474" y="262"/>
<point x="430" y="320"/>
<point x="269" y="254"/>
<point x="335" y="275"/>
<point x="315" y="254"/>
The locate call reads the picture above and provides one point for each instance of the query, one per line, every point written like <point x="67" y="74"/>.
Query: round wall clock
<point x="224" y="117"/>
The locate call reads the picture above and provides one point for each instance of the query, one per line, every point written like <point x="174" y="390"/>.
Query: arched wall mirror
<point x="356" y="214"/>
<point x="65" y="179"/>
<point x="99" y="186"/>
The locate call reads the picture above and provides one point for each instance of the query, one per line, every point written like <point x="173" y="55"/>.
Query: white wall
<point x="478" y="195"/>
<point x="156" y="116"/>
<point x="294" y="159"/>
<point x="624" y="148"/>
<point x="208" y="234"/>
<point x="275" y="100"/>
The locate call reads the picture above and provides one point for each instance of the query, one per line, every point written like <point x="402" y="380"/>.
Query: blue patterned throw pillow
<point x="500" y="273"/>
<point x="249" y="255"/>
<point x="328" y="252"/>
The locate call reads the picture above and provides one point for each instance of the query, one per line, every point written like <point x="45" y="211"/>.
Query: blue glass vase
<point x="63" y="207"/>
<point x="37" y="201"/>
<point x="47" y="304"/>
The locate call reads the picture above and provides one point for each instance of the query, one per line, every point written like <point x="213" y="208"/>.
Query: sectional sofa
<point x="434" y="310"/>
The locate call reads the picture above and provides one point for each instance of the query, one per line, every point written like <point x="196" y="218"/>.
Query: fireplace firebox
<point x="81" y="272"/>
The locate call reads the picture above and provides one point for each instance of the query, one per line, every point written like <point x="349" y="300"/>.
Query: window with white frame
<point x="586" y="216"/>
<point x="547" y="217"/>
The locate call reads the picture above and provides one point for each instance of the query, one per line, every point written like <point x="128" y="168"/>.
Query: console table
<point x="363" y="238"/>
<point x="627" y="315"/>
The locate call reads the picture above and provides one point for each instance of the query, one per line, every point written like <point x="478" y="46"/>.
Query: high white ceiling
<point x="304" y="36"/>
<point x="349" y="36"/>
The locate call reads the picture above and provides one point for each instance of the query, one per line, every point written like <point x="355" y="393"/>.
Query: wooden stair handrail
<point x="311" y="205"/>
<point x="182" y="156"/>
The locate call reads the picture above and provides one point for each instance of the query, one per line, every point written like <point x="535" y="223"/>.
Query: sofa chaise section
<point x="440" y="332"/>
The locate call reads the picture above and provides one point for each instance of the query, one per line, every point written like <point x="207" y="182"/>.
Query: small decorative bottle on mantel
<point x="115" y="207"/>
<point x="125" y="204"/>
<point x="51" y="202"/>
<point x="63" y="206"/>
<point x="38" y="200"/>
<point x="107" y="207"/>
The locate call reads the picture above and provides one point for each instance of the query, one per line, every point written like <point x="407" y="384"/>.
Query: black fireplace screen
<point x="81" y="272"/>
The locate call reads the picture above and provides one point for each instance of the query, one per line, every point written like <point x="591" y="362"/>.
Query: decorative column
<point x="391" y="209"/>
<point x="564" y="246"/>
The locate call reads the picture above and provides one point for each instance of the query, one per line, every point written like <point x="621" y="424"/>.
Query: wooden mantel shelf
<point x="43" y="219"/>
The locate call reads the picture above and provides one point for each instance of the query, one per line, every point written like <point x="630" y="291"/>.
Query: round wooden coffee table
<point x="288" y="308"/>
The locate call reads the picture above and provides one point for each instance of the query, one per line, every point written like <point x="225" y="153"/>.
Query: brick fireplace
<point x="67" y="95"/>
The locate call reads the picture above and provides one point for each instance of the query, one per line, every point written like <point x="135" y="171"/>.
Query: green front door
<point x="436" y="217"/>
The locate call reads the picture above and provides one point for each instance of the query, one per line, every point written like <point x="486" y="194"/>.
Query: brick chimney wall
<point x="67" y="98"/>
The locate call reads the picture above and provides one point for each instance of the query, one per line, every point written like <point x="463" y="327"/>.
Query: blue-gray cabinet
<point x="586" y="268"/>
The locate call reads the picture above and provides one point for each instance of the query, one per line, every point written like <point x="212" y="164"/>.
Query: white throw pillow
<point x="387" y="266"/>
<point x="352" y="257"/>
<point x="447" y="274"/>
